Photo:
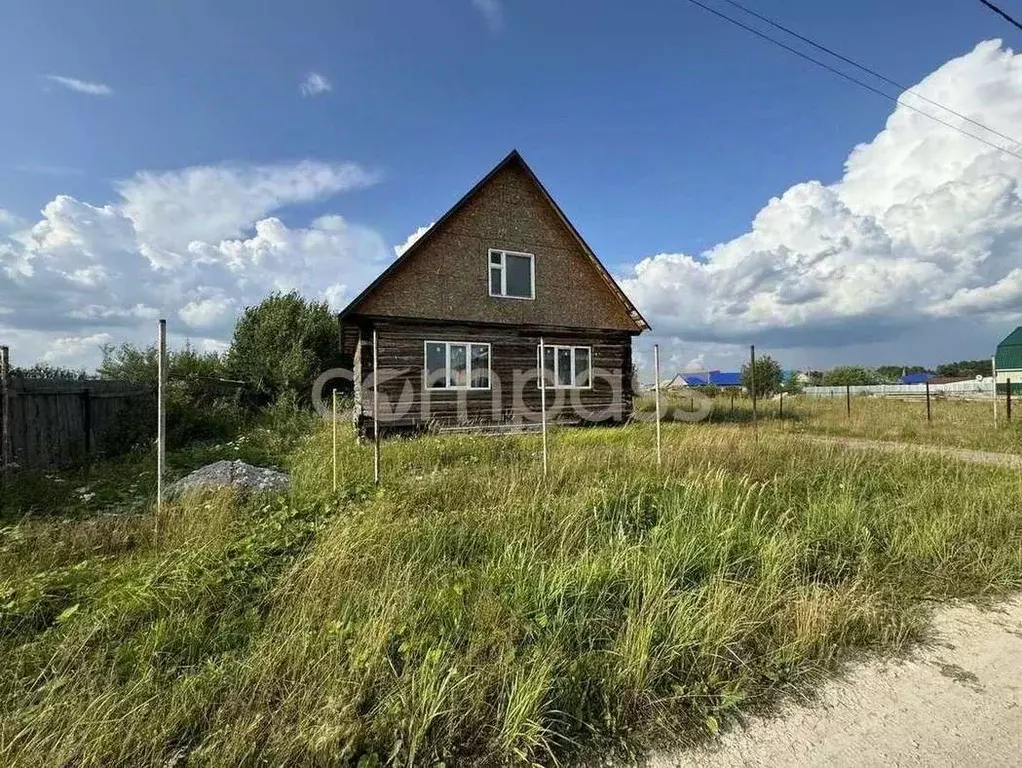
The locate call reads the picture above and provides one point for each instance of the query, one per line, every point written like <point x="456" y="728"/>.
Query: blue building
<point x="714" y="378"/>
<point x="917" y="378"/>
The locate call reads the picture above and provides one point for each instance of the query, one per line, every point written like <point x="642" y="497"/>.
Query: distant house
<point x="459" y="317"/>
<point x="920" y="377"/>
<point x="1008" y="362"/>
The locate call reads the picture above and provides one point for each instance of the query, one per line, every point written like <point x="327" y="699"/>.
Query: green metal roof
<point x="1009" y="351"/>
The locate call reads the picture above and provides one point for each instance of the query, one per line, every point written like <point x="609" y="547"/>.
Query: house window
<point x="512" y="275"/>
<point x="567" y="367"/>
<point x="457" y="365"/>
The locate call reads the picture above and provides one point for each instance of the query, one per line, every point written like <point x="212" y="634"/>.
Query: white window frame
<point x="490" y="266"/>
<point x="557" y="384"/>
<point x="447" y="366"/>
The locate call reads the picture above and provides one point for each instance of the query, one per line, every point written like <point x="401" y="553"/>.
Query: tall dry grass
<point x="471" y="611"/>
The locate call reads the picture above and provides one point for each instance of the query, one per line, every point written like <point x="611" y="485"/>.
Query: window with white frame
<point x="567" y="367"/>
<point x="457" y="365"/>
<point x="512" y="274"/>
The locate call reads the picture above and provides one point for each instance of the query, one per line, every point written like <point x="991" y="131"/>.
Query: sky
<point x="183" y="160"/>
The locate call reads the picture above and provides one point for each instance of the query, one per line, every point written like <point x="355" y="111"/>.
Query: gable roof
<point x="513" y="158"/>
<point x="1009" y="351"/>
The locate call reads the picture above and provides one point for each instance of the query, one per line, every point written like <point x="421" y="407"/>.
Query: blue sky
<point x="659" y="129"/>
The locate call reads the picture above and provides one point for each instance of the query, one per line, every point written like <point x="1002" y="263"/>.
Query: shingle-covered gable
<point x="446" y="274"/>
<point x="1009" y="351"/>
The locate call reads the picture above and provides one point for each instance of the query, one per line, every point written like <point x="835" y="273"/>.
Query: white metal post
<point x="656" y="371"/>
<point x="5" y="406"/>
<point x="542" y="397"/>
<point x="334" y="409"/>
<point x="993" y="368"/>
<point x="376" y="413"/>
<point x="161" y="421"/>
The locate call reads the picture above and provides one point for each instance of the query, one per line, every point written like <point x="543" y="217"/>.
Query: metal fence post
<point x="993" y="371"/>
<point x="542" y="397"/>
<point x="656" y="372"/>
<point x="848" y="399"/>
<point x="5" y="410"/>
<point x="376" y="412"/>
<point x="1009" y="401"/>
<point x="929" y="420"/>
<point x="161" y="422"/>
<point x="752" y="382"/>
<point x="334" y="410"/>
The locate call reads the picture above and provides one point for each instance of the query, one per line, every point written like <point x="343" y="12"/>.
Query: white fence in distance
<point x="985" y="387"/>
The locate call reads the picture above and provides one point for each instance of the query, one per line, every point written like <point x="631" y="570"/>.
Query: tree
<point x="893" y="373"/>
<point x="282" y="344"/>
<point x="966" y="368"/>
<point x="47" y="371"/>
<point x="849" y="375"/>
<point x="768" y="376"/>
<point x="141" y="364"/>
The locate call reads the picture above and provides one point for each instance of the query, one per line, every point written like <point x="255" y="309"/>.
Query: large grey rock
<point x="230" y="474"/>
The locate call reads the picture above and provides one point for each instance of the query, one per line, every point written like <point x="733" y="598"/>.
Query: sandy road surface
<point x="954" y="702"/>
<point x="969" y="455"/>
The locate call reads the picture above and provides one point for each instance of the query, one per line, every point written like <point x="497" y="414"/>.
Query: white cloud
<point x="925" y="225"/>
<point x="171" y="209"/>
<point x="205" y="312"/>
<point x="315" y="84"/>
<point x="410" y="240"/>
<point x="492" y="12"/>
<point x="194" y="246"/>
<point x="71" y="351"/>
<point x="81" y="86"/>
<point x="10" y="221"/>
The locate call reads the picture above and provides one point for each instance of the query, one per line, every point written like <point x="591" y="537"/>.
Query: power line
<point x="850" y="78"/>
<point x="999" y="12"/>
<point x="868" y="70"/>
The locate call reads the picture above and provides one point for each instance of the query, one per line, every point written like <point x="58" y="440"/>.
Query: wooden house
<point x="458" y="319"/>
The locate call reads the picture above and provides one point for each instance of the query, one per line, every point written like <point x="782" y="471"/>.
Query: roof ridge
<point x="513" y="156"/>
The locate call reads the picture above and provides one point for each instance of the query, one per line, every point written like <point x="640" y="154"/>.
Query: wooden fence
<point x="56" y="423"/>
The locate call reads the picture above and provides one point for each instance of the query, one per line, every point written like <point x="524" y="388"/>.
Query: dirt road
<point x="954" y="702"/>
<point x="1013" y="461"/>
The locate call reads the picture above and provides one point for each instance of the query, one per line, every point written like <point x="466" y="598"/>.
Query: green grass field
<point x="955" y="423"/>
<point x="469" y="611"/>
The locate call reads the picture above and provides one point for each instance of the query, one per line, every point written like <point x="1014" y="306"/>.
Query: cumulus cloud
<point x="195" y="246"/>
<point x="10" y="221"/>
<point x="412" y="238"/>
<point x="492" y="12"/>
<point x="81" y="86"/>
<point x="925" y="224"/>
<point x="70" y="350"/>
<point x="314" y="84"/>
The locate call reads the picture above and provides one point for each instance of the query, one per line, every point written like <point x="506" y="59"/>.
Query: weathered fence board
<point x="54" y="423"/>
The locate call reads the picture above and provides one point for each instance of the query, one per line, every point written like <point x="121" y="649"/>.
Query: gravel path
<point x="954" y="702"/>
<point x="962" y="454"/>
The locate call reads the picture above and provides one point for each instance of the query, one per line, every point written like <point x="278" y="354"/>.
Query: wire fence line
<point x="895" y="390"/>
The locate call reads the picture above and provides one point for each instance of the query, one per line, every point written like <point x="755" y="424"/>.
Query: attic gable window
<point x="512" y="274"/>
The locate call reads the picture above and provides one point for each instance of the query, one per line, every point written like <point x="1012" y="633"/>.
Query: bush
<point x="768" y="376"/>
<point x="849" y="375"/>
<point x="282" y="344"/>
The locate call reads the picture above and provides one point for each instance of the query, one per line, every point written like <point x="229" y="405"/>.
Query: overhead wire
<point x="1001" y="13"/>
<point x="868" y="70"/>
<point x="850" y="78"/>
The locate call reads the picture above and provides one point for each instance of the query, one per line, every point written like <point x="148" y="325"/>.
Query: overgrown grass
<point x="470" y="611"/>
<point x="955" y="423"/>
<point x="128" y="483"/>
